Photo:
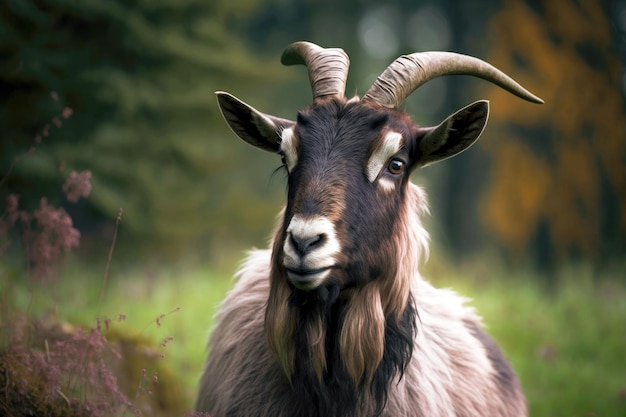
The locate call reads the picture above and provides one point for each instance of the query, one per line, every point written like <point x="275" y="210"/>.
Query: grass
<point x="567" y="342"/>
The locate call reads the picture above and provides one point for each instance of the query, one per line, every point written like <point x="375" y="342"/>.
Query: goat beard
<point x="331" y="343"/>
<point x="336" y="349"/>
<point x="324" y="295"/>
<point x="310" y="325"/>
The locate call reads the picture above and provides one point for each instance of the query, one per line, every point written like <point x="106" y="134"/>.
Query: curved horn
<point x="408" y="72"/>
<point x="328" y="67"/>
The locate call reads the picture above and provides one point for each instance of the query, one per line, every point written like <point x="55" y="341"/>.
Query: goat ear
<point x="455" y="134"/>
<point x="256" y="128"/>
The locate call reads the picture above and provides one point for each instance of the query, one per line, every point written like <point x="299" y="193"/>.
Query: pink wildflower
<point x="54" y="235"/>
<point x="77" y="185"/>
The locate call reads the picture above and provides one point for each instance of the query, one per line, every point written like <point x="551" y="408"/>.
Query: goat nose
<point x="306" y="243"/>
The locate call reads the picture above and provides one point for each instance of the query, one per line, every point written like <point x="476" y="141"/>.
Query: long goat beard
<point x="348" y="347"/>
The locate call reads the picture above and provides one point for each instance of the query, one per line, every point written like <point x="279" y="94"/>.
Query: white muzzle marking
<point x="308" y="264"/>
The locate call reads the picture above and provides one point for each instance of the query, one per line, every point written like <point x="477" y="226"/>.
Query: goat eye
<point x="395" y="166"/>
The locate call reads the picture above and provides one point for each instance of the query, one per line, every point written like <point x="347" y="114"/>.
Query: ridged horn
<point x="409" y="72"/>
<point x="328" y="67"/>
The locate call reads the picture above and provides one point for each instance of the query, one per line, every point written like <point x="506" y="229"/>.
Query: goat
<point x="335" y="319"/>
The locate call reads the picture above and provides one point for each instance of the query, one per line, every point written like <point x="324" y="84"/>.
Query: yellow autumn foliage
<point x="558" y="174"/>
<point x="514" y="167"/>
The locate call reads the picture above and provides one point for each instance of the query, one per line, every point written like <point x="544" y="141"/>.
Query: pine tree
<point x="125" y="89"/>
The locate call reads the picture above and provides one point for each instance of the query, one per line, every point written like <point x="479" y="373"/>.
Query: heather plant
<point x="47" y="370"/>
<point x="55" y="369"/>
<point x="47" y="233"/>
<point x="49" y="367"/>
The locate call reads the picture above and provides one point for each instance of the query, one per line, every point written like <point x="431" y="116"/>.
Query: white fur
<point x="289" y="148"/>
<point x="386" y="184"/>
<point x="389" y="146"/>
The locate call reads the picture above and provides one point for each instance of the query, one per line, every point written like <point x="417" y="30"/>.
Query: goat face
<point x="349" y="163"/>
<point x="340" y="218"/>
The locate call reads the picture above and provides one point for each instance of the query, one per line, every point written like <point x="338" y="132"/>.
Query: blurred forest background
<point x="545" y="183"/>
<point x="121" y="91"/>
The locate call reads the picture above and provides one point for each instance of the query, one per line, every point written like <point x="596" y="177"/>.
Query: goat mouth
<point x="306" y="279"/>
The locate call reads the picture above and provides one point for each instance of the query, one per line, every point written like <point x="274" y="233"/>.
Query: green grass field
<point x="567" y="342"/>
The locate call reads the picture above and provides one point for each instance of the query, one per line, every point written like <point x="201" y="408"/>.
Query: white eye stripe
<point x="389" y="146"/>
<point x="288" y="147"/>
